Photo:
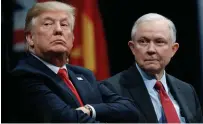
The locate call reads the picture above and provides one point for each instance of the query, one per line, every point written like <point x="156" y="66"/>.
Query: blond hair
<point x="39" y="8"/>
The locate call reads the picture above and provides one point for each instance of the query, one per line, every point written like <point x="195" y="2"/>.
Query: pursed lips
<point x="59" y="41"/>
<point x="151" y="60"/>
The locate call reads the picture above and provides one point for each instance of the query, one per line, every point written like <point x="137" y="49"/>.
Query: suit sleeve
<point x="48" y="107"/>
<point x="114" y="88"/>
<point x="199" y="117"/>
<point x="115" y="107"/>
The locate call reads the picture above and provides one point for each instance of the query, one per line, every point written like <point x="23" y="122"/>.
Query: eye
<point x="160" y="42"/>
<point x="142" y="41"/>
<point x="47" y="24"/>
<point x="65" y="25"/>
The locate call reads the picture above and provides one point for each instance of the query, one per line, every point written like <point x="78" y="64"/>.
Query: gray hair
<point x="153" y="17"/>
<point x="39" y="8"/>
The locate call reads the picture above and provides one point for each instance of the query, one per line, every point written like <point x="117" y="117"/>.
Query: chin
<point x="152" y="70"/>
<point x="59" y="49"/>
<point x="56" y="52"/>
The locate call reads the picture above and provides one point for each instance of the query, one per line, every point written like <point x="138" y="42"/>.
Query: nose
<point x="151" y="48"/>
<point x="58" y="29"/>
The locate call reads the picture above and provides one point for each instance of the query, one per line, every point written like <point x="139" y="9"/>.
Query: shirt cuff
<point x="93" y="111"/>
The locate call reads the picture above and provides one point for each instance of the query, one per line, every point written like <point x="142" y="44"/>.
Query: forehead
<point x="54" y="15"/>
<point x="157" y="28"/>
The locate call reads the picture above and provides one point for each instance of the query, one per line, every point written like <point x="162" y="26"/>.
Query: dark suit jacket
<point x="40" y="95"/>
<point x="129" y="83"/>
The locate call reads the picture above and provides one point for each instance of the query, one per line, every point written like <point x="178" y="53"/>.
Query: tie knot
<point x="62" y="73"/>
<point x="158" y="86"/>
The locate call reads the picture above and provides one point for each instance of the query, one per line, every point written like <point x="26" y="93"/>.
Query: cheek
<point x="41" y="40"/>
<point x="166" y="55"/>
<point x="70" y="45"/>
<point x="138" y="51"/>
<point x="45" y="33"/>
<point x="68" y="36"/>
<point x="139" y="54"/>
<point x="69" y="39"/>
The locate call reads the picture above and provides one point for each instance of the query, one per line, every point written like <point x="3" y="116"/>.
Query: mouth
<point x="59" y="41"/>
<point x="151" y="60"/>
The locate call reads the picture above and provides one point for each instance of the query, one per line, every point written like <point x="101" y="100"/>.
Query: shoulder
<point x="114" y="82"/>
<point x="179" y="83"/>
<point x="27" y="63"/>
<point x="81" y="71"/>
<point x="115" y="78"/>
<point x="78" y="69"/>
<point x="22" y="68"/>
<point x="31" y="67"/>
<point x="124" y="77"/>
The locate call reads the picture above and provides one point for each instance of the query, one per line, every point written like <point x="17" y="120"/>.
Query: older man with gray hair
<point x="161" y="97"/>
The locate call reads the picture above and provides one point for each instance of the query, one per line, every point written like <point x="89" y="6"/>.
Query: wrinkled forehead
<point x="156" y="28"/>
<point x="154" y="25"/>
<point x="53" y="15"/>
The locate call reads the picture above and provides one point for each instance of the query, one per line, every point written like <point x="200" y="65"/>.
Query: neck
<point x="59" y="62"/>
<point x="56" y="59"/>
<point x="157" y="75"/>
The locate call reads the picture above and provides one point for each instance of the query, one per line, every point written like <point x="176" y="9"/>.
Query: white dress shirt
<point x="55" y="69"/>
<point x="150" y="82"/>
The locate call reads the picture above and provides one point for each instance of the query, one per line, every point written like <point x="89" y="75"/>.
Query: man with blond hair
<point x="47" y="89"/>
<point x="162" y="98"/>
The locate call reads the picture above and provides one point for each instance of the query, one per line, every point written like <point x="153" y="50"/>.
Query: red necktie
<point x="63" y="74"/>
<point x="168" y="107"/>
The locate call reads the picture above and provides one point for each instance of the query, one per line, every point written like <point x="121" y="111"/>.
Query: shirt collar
<point x="54" y="68"/>
<point x="150" y="80"/>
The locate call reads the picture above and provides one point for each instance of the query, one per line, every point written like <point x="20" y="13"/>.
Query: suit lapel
<point x="133" y="81"/>
<point x="80" y="83"/>
<point x="179" y="97"/>
<point x="66" y="92"/>
<point x="58" y="86"/>
<point x="82" y="86"/>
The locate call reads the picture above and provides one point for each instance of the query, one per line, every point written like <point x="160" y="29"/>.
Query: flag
<point x="89" y="51"/>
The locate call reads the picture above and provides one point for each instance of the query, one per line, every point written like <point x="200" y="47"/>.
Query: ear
<point x="175" y="47"/>
<point x="29" y="39"/>
<point x="131" y="44"/>
<point x="73" y="38"/>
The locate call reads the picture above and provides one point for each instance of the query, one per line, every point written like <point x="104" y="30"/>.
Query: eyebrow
<point x="143" y="37"/>
<point x="52" y="19"/>
<point x="48" y="18"/>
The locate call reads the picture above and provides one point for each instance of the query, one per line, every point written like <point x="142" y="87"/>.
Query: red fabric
<point x="63" y="74"/>
<point x="168" y="107"/>
<point x="90" y="8"/>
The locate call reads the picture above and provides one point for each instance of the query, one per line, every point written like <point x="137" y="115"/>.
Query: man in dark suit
<point x="46" y="89"/>
<point x="161" y="97"/>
